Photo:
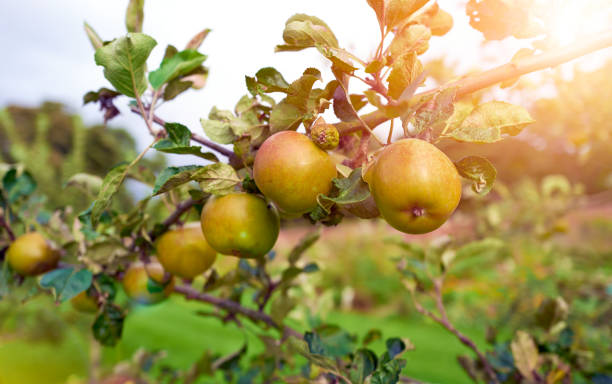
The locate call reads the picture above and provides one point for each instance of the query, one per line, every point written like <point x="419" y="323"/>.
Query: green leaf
<point x="17" y="185"/>
<point x="480" y="171"/>
<point x="66" y="283"/>
<point x="364" y="363"/>
<point x="305" y="242"/>
<point x="300" y="346"/>
<point x="86" y="182"/>
<point x="134" y="16"/>
<point x="350" y="190"/>
<point x="285" y="116"/>
<point x="93" y="37"/>
<point x="172" y="177"/>
<point x="124" y="61"/>
<point x="303" y="31"/>
<point x="395" y="347"/>
<point x="435" y="112"/>
<point x="108" y="326"/>
<point x="405" y="71"/>
<point x="489" y="122"/>
<point x="177" y="65"/>
<point x="388" y="373"/>
<point x="178" y="141"/>
<point x="110" y="185"/>
<point x="525" y="354"/>
<point x="271" y="80"/>
<point x="371" y="336"/>
<point x="218" y="178"/>
<point x="223" y="127"/>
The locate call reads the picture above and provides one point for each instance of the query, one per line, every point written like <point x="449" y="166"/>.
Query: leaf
<point x="178" y="141"/>
<point x="108" y="326"/>
<point x="379" y="7"/>
<point x="304" y="31"/>
<point x="180" y="64"/>
<point x="271" y="80"/>
<point x="110" y="185"/>
<point x="134" y="16"/>
<point x="395" y="347"/>
<point x="172" y="177"/>
<point x="411" y="39"/>
<point x="105" y="98"/>
<point x="480" y="171"/>
<point x="124" y="62"/>
<point x="339" y="58"/>
<point x="93" y="37"/>
<point x="218" y="179"/>
<point x="399" y="10"/>
<point x="490" y="121"/>
<point x="405" y="70"/>
<point x="364" y="363"/>
<point x="388" y="373"/>
<point x="285" y="116"/>
<point x="525" y="354"/>
<point x="223" y="127"/>
<point x="88" y="183"/>
<point x="371" y="336"/>
<point x="435" y="112"/>
<point x="17" y="185"/>
<point x="551" y="312"/>
<point x="305" y="242"/>
<point x="350" y="190"/>
<point x="198" y="39"/>
<point x="302" y="347"/>
<point x="66" y="283"/>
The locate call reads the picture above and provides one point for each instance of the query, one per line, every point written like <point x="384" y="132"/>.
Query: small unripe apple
<point x="240" y="224"/>
<point x="137" y="286"/>
<point x="184" y="252"/>
<point x="31" y="254"/>
<point x="415" y="185"/>
<point x="324" y="135"/>
<point x="292" y="171"/>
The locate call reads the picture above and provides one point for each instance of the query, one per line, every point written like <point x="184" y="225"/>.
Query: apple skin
<point x="31" y="254"/>
<point x="184" y="252"/>
<point x="135" y="282"/>
<point x="415" y="185"/>
<point x="292" y="171"/>
<point x="240" y="224"/>
<point x="85" y="303"/>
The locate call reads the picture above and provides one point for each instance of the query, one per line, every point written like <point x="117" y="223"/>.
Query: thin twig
<point x="234" y="307"/>
<point x="142" y="113"/>
<point x="496" y="75"/>
<point x="4" y="224"/>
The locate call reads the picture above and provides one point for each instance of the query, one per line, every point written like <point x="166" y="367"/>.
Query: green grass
<point x="174" y="327"/>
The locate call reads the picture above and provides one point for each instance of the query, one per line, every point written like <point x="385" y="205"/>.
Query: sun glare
<point x="566" y="21"/>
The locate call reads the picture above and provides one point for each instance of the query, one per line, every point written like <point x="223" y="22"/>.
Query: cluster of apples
<point x="414" y="185"/>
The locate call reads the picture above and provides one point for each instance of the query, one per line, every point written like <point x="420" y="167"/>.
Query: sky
<point x="48" y="56"/>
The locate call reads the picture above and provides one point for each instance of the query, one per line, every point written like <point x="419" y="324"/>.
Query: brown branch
<point x="496" y="75"/>
<point x="234" y="307"/>
<point x="4" y="224"/>
<point x="175" y="216"/>
<point x="444" y="321"/>
<point x="195" y="137"/>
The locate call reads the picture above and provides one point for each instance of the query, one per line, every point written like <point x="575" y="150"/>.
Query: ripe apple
<point x="31" y="254"/>
<point x="184" y="252"/>
<point x="137" y="286"/>
<point x="415" y="185"/>
<point x="291" y="171"/>
<point x="240" y="224"/>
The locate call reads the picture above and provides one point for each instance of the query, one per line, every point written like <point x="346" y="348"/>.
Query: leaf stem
<point x="5" y="224"/>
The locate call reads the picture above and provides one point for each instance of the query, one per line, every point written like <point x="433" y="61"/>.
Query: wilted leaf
<point x="134" y="16"/>
<point x="406" y="69"/>
<point x="198" y="39"/>
<point x="303" y="31"/>
<point x="66" y="283"/>
<point x="124" y="62"/>
<point x="480" y="171"/>
<point x="179" y="64"/>
<point x="108" y="326"/>
<point x="105" y="97"/>
<point x="525" y="354"/>
<point x="490" y="121"/>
